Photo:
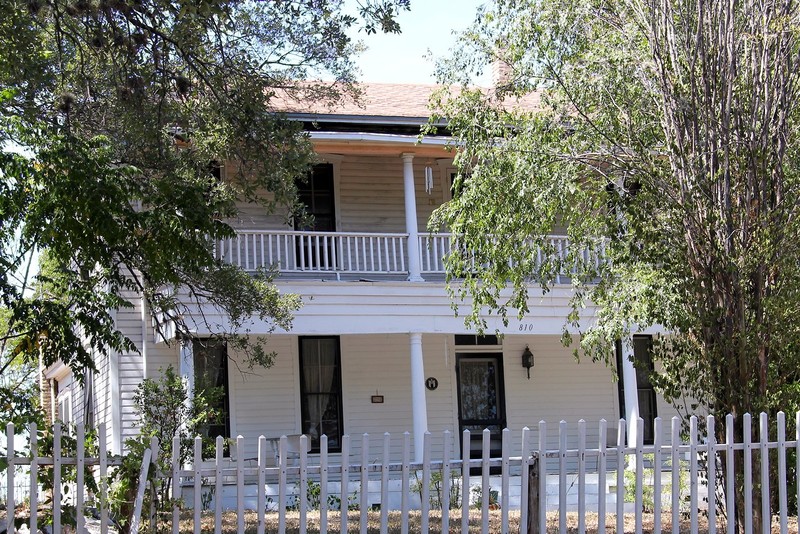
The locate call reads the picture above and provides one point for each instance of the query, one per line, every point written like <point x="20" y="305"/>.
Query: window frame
<point x="304" y="395"/>
<point x="226" y="386"/>
<point x="648" y="430"/>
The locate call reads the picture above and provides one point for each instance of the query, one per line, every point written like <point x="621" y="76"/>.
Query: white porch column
<point x="186" y="367"/>
<point x="414" y="268"/>
<point x="631" y="393"/>
<point x="419" y="405"/>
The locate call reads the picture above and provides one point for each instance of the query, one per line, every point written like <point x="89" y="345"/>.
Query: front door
<point x="481" y="399"/>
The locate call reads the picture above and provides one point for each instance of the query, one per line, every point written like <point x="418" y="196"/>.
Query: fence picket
<point x="345" y="468"/>
<point x="33" y="527"/>
<point x="261" y="497"/>
<point x="446" y="481"/>
<point x="485" y="487"/>
<point x="425" y="504"/>
<point x="303" y="497"/>
<point x="748" y="473"/>
<point x="730" y="486"/>
<point x="405" y="483"/>
<point x="57" y="477"/>
<point x="282" y="449"/>
<point x="601" y="476"/>
<point x="562" y="477"/>
<point x="198" y="481"/>
<point x="581" y="476"/>
<point x="364" y="505"/>
<point x="542" y="477"/>
<point x="711" y="468"/>
<point x="693" y="484"/>
<point x="10" y="504"/>
<point x="465" y="465"/>
<point x="220" y="458"/>
<point x="176" y="486"/>
<point x="639" y="489"/>
<point x="137" y="507"/>
<point x="766" y="517"/>
<point x="385" y="483"/>
<point x="782" y="500"/>
<point x="620" y="492"/>
<point x="524" y="480"/>
<point x="80" y="450"/>
<point x="323" y="483"/>
<point x="657" y="439"/>
<point x="675" y="502"/>
<point x="504" y="481"/>
<point x="240" y="484"/>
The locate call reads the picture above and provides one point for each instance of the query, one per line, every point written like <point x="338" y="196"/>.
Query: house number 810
<point x="526" y="327"/>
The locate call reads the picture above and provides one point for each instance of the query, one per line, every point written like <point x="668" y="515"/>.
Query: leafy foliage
<point x="114" y="115"/>
<point x="666" y="131"/>
<point x="675" y="158"/>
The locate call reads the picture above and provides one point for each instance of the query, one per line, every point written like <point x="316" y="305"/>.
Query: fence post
<point x="533" y="495"/>
<point x="137" y="507"/>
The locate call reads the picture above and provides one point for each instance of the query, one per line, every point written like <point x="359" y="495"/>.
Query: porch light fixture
<point x="527" y="360"/>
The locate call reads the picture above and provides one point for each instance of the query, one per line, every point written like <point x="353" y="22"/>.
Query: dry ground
<point x="435" y="525"/>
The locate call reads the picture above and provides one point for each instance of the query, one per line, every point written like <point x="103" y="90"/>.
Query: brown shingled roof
<point x="380" y="100"/>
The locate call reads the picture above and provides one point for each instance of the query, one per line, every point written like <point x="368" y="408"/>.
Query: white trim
<point x="57" y="371"/>
<point x="294" y="347"/>
<point x="114" y="400"/>
<point x="378" y="138"/>
<point x="231" y="386"/>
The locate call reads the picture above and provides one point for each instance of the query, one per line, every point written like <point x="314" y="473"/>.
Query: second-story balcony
<point x="356" y="254"/>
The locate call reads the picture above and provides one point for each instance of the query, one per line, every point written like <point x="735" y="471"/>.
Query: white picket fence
<point x="251" y="481"/>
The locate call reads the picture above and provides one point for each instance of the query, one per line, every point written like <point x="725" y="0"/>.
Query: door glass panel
<point x="481" y="400"/>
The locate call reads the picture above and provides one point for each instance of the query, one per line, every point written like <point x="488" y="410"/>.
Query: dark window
<point x="211" y="378"/>
<point x="321" y="390"/>
<point x="471" y="339"/>
<point x="643" y="363"/>
<point x="317" y="195"/>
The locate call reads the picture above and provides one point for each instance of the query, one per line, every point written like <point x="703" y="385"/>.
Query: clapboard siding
<point x="370" y="198"/>
<point x="265" y="400"/>
<point x="129" y="321"/>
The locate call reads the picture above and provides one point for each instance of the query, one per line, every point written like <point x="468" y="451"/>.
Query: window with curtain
<point x="321" y="390"/>
<point x="211" y="373"/>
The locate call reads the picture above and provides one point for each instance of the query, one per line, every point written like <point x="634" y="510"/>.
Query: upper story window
<point x="316" y="193"/>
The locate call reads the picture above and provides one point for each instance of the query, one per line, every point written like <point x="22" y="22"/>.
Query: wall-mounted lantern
<point x="527" y="360"/>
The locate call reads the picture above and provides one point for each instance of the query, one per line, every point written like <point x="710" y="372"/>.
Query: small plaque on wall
<point x="377" y="399"/>
<point x="431" y="383"/>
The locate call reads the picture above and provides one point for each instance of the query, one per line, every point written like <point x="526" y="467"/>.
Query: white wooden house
<point x="376" y="346"/>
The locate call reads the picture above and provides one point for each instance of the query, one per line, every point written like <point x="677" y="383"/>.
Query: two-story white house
<point x="376" y="346"/>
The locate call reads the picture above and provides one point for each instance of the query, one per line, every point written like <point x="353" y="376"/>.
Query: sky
<point x="429" y="25"/>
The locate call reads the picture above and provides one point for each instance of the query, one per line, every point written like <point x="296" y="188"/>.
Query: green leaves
<point x="661" y="135"/>
<point x="112" y="118"/>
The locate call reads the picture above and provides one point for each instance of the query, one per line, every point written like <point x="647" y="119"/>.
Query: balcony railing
<point x="351" y="252"/>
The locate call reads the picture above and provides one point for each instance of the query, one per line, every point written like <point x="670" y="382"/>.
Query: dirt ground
<point x="435" y="524"/>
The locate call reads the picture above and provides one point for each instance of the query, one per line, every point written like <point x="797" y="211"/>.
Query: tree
<point x="114" y="116"/>
<point x="667" y="135"/>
